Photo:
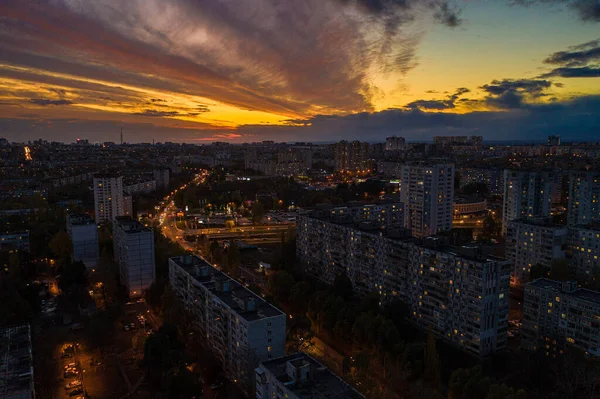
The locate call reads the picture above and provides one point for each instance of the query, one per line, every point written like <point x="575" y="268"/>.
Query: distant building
<point x="15" y="240"/>
<point x="134" y="253"/>
<point x="108" y="197"/>
<point x="427" y="193"/>
<point x="162" y="178"/>
<point x="389" y="168"/>
<point x="458" y="292"/>
<point x="558" y="315"/>
<point x="584" y="243"/>
<point x="83" y="232"/>
<point x="458" y="140"/>
<point x="534" y="241"/>
<point x="16" y="360"/>
<point x="241" y="328"/>
<point x="584" y="198"/>
<point x="492" y="178"/>
<point x="352" y="157"/>
<point x="299" y="376"/>
<point x="143" y="187"/>
<point x="554" y="140"/>
<point x="395" y="143"/>
<point x="527" y="194"/>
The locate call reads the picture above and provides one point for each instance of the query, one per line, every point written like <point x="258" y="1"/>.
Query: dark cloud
<point x="158" y="100"/>
<point x="44" y="102"/>
<point x="438" y="105"/>
<point x="157" y="113"/>
<point x="201" y="108"/>
<point x="447" y="15"/>
<point x="578" y="56"/>
<point x="533" y="87"/>
<point x="582" y="72"/>
<point x="588" y="10"/>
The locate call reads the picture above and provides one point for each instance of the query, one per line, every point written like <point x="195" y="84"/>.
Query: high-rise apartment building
<point x="241" y="328"/>
<point x="493" y="178"/>
<point x="458" y="292"/>
<point x="584" y="243"/>
<point x="584" y="198"/>
<point x="134" y="253"/>
<point x="534" y="241"/>
<point x="527" y="194"/>
<point x="16" y="361"/>
<point x="395" y="143"/>
<point x="352" y="157"/>
<point x="162" y="178"/>
<point x="108" y="197"/>
<point x="300" y="376"/>
<point x="554" y="140"/>
<point x="427" y="193"/>
<point x="558" y="315"/>
<point x="83" y="232"/>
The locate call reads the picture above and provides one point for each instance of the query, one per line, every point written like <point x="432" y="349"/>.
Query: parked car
<point x="216" y="386"/>
<point x="76" y="391"/>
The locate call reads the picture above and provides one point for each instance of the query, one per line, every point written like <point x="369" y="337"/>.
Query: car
<point x="126" y="328"/>
<point x="66" y="355"/>
<point x="72" y="364"/>
<point x="76" y="391"/>
<point x="70" y="373"/>
<point x="73" y="384"/>
<point x="216" y="386"/>
<point x="131" y="325"/>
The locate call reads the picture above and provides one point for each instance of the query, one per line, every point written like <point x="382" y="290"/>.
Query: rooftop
<point x="319" y="383"/>
<point x="80" y="219"/>
<point x="538" y="221"/>
<point x="233" y="294"/>
<point x="567" y="287"/>
<point x="16" y="366"/>
<point x="129" y="225"/>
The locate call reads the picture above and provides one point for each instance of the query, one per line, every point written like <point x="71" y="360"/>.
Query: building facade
<point x="458" y="292"/>
<point x="241" y="328"/>
<point x="16" y="356"/>
<point x="493" y="178"/>
<point x="108" y="197"/>
<point x="526" y="194"/>
<point x="584" y="245"/>
<point x="584" y="198"/>
<point x="300" y="376"/>
<point x="162" y="178"/>
<point x="83" y="232"/>
<point x="143" y="187"/>
<point x="134" y="253"/>
<point x="558" y="315"/>
<point x="534" y="241"/>
<point x="395" y="143"/>
<point x="352" y="157"/>
<point x="427" y="193"/>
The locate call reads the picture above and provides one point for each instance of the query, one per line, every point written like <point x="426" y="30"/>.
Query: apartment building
<point x="493" y="178"/>
<point x="584" y="198"/>
<point x="395" y="143"/>
<point x="241" y="328"/>
<point x="16" y="361"/>
<point x="458" y="292"/>
<point x="533" y="241"/>
<point x="527" y="194"/>
<point x="352" y="157"/>
<point x="162" y="178"/>
<point x="134" y="253"/>
<point x="558" y="315"/>
<point x="108" y="197"/>
<point x="15" y="240"/>
<point x="142" y="187"/>
<point x="584" y="245"/>
<point x="83" y="231"/>
<point x="427" y="193"/>
<point x="300" y="376"/>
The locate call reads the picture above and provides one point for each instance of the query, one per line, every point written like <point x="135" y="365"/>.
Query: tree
<point x="475" y="189"/>
<point x="72" y="274"/>
<point x="342" y="286"/>
<point x="299" y="294"/>
<point x="491" y="227"/>
<point x="233" y="258"/>
<point x="258" y="212"/>
<point x="61" y="245"/>
<point x="559" y="270"/>
<point x="538" y="271"/>
<point x="280" y="285"/>
<point x="432" y="363"/>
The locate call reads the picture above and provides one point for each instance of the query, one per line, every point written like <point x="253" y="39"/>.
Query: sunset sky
<point x="298" y="70"/>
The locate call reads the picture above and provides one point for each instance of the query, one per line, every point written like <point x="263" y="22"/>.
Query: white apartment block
<point x="300" y="376"/>
<point x="558" y="315"/>
<point x="427" y="193"/>
<point x="241" y="328"/>
<point x="584" y="197"/>
<point x="134" y="253"/>
<point x="458" y="292"/>
<point x="83" y="232"/>
<point x="526" y="194"/>
<point x="533" y="241"/>
<point x="584" y="242"/>
<point x="108" y="197"/>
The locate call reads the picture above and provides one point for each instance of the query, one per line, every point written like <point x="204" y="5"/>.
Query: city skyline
<point x="299" y="71"/>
